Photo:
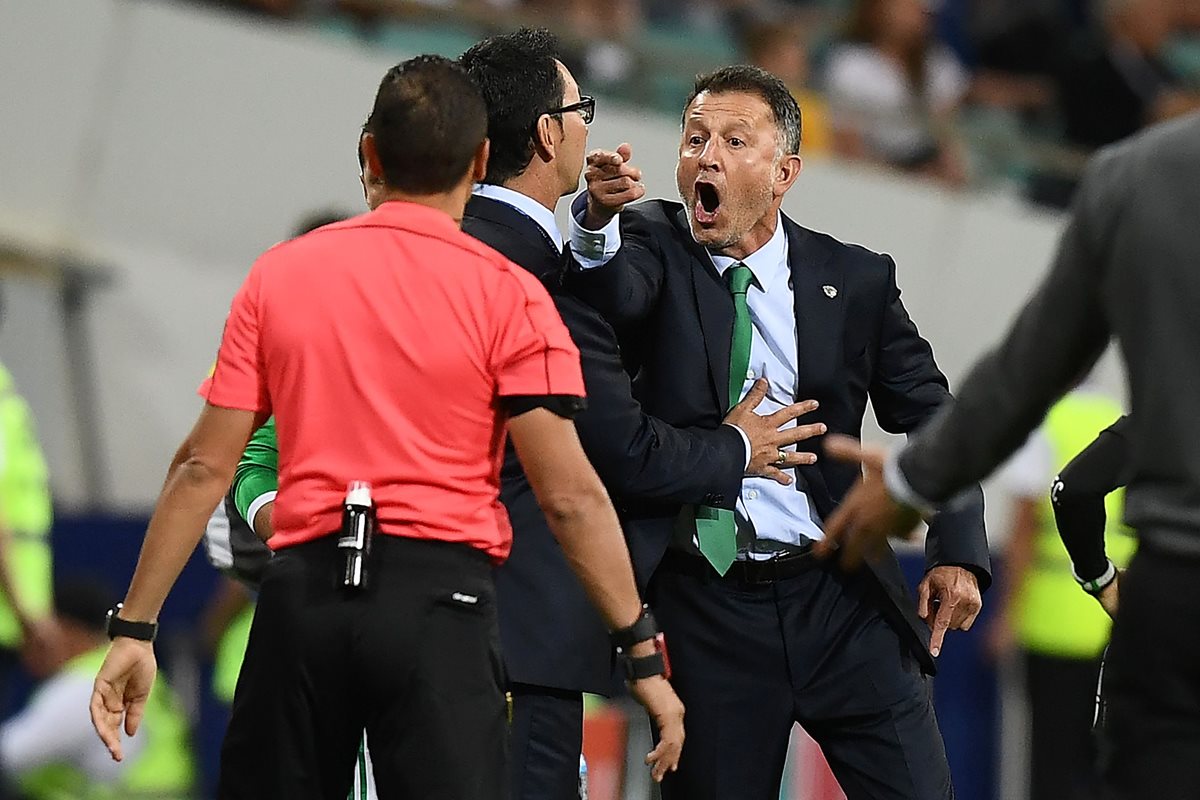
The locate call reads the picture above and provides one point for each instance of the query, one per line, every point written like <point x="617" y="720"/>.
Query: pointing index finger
<point x="941" y="624"/>
<point x="602" y="158"/>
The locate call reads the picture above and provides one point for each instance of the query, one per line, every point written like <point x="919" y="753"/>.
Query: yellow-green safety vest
<point x="231" y="650"/>
<point x="24" y="510"/>
<point x="163" y="770"/>
<point x="1054" y="616"/>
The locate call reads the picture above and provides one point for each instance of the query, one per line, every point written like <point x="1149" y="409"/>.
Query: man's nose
<point x="710" y="156"/>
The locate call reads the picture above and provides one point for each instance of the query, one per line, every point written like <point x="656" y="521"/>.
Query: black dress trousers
<point x="750" y="660"/>
<point x="414" y="659"/>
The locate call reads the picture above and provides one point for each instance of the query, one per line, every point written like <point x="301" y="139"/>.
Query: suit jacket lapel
<point x="820" y="320"/>
<point x="714" y="305"/>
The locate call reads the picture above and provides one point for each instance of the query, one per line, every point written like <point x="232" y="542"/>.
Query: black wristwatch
<point x="142" y="631"/>
<point x="645" y="629"/>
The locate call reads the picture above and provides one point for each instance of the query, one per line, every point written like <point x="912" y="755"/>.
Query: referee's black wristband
<point x="637" y="669"/>
<point x="643" y="629"/>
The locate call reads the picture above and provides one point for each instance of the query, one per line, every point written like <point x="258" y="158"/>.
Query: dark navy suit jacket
<point x="855" y="340"/>
<point x="550" y="634"/>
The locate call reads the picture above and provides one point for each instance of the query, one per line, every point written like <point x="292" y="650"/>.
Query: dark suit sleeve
<point x="1055" y="340"/>
<point x="636" y="455"/>
<point x="626" y="288"/>
<point x="907" y="388"/>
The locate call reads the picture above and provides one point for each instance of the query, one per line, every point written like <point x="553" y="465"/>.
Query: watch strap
<point x="637" y="669"/>
<point x="142" y="631"/>
<point x="644" y="629"/>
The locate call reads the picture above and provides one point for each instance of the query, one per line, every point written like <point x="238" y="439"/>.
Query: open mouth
<point x="708" y="202"/>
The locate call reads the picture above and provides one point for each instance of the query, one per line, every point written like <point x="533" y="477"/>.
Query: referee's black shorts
<point x="414" y="659"/>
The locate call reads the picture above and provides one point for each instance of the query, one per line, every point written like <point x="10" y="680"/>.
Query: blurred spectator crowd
<point x="964" y="92"/>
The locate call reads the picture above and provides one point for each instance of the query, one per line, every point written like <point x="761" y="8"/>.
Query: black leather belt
<point x="756" y="573"/>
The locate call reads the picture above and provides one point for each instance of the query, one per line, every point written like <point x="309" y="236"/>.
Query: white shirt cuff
<point x="256" y="505"/>
<point x="900" y="489"/>
<point x="745" y="441"/>
<point x="592" y="248"/>
<point x="1094" y="585"/>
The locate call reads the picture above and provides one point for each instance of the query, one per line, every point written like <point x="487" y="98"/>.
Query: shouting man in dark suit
<point x="724" y="291"/>
<point x="554" y="643"/>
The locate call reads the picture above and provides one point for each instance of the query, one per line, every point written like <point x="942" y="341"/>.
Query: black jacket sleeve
<point x="907" y="388"/>
<point x="1078" y="493"/>
<point x="638" y="456"/>
<point x="624" y="290"/>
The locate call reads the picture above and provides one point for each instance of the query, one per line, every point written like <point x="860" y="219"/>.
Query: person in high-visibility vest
<point x="49" y="751"/>
<point x="25" y="518"/>
<point x="1080" y="499"/>
<point x="1059" y="632"/>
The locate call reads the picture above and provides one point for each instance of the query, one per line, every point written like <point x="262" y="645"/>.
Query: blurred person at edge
<point x="1125" y="270"/>
<point x="894" y="91"/>
<point x="1057" y="632"/>
<point x="48" y="751"/>
<point x="416" y="405"/>
<point x="1114" y="81"/>
<point x="27" y="629"/>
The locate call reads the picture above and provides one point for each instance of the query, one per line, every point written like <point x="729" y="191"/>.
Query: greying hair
<point x="754" y="80"/>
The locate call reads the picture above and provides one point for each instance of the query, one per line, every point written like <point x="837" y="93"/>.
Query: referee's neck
<point x="451" y="203"/>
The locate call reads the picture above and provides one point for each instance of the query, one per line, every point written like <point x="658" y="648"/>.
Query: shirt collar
<point x="766" y="263"/>
<point x="531" y="208"/>
<point x="412" y="216"/>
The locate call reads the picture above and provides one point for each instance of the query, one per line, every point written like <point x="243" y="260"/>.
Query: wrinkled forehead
<point x="729" y="109"/>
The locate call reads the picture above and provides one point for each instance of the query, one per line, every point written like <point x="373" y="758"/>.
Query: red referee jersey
<point x="382" y="344"/>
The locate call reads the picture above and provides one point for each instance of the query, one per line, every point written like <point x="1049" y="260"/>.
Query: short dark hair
<point x="518" y="75"/>
<point x="428" y="122"/>
<point x="756" y="81"/>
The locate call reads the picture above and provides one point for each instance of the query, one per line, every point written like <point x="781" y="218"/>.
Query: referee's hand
<point x="666" y="714"/>
<point x="121" y="690"/>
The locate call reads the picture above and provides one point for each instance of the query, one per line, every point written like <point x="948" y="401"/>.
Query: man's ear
<point x="480" y="162"/>
<point x="786" y="173"/>
<point x="547" y="134"/>
<point x="372" y="167"/>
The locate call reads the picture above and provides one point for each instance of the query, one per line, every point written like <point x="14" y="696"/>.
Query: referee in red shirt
<point x="392" y="349"/>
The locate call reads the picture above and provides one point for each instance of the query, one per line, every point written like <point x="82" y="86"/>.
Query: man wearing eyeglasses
<point x="554" y="644"/>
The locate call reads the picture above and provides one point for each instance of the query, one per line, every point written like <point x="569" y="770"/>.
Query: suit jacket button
<point x="714" y="499"/>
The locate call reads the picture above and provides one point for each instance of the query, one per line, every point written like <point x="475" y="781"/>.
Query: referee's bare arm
<point x="197" y="479"/>
<point x="584" y="522"/>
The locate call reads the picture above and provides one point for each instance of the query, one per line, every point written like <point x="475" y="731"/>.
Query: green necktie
<point x="716" y="531"/>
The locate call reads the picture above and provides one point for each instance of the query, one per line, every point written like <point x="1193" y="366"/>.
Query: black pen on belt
<point x="358" y="528"/>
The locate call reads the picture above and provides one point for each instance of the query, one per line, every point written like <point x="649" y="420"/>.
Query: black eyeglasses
<point x="586" y="108"/>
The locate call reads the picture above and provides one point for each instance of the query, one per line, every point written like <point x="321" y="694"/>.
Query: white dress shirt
<point x="770" y="518"/>
<point x="592" y="248"/>
<point x="768" y="514"/>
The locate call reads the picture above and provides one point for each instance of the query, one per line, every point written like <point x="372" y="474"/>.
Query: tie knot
<point x="739" y="277"/>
